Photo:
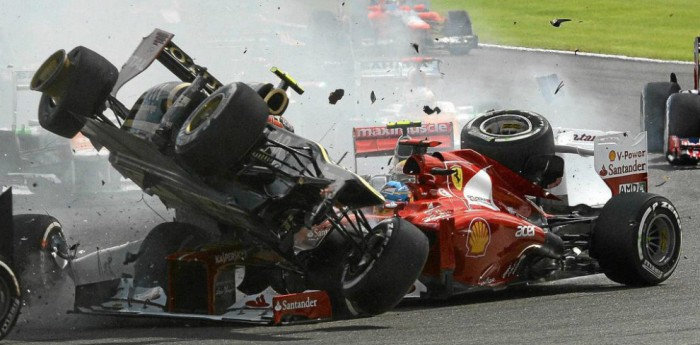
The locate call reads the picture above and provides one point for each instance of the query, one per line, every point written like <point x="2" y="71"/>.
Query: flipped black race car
<point x="268" y="229"/>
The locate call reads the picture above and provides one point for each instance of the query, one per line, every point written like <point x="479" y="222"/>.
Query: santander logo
<point x="292" y="305"/>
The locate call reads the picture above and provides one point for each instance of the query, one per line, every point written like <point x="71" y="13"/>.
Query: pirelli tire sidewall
<point x="511" y="151"/>
<point x="91" y="81"/>
<point x="222" y="129"/>
<point x="653" y="109"/>
<point x="10" y="299"/>
<point x="637" y="239"/>
<point x="682" y="120"/>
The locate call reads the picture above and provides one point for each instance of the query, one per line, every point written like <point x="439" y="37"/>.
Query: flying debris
<point x="559" y="87"/>
<point x="372" y="97"/>
<point x="335" y="96"/>
<point x="430" y="111"/>
<point x="557" y="22"/>
<point x="415" y="46"/>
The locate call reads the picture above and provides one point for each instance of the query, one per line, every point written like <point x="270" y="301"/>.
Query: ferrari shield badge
<point x="457" y="177"/>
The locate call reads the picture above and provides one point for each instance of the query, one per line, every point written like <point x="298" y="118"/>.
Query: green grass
<point x="661" y="29"/>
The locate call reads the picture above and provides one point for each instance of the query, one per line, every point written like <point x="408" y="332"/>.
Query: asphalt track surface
<point x="599" y="93"/>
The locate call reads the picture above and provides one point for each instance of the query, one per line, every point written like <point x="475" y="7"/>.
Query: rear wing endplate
<point x="621" y="161"/>
<point x="159" y="45"/>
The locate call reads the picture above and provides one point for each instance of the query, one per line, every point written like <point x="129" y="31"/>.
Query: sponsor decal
<point x="227" y="257"/>
<point x="318" y="232"/>
<point x="458" y="177"/>
<point x="621" y="155"/>
<point x="293" y="305"/>
<point x="624" y="169"/>
<point x="633" y="187"/>
<point x="624" y="163"/>
<point x="435" y="213"/>
<point x="630" y="154"/>
<point x="510" y="271"/>
<point x="478" y="237"/>
<point x="655" y="271"/>
<point x="525" y="231"/>
<point x="258" y="302"/>
<point x="426" y="129"/>
<point x="584" y="137"/>
<point x="479" y="190"/>
<point x="309" y="305"/>
<point x="224" y="289"/>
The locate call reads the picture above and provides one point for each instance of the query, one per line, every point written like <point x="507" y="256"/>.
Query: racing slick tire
<point x="72" y="90"/>
<point x="41" y="253"/>
<point x="397" y="251"/>
<point x="510" y="137"/>
<point x="653" y="109"/>
<point x="637" y="239"/>
<point x="10" y="299"/>
<point x="222" y="129"/>
<point x="683" y="121"/>
<point x="151" y="266"/>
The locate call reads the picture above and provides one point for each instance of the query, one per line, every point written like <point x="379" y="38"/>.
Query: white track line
<point x="567" y="52"/>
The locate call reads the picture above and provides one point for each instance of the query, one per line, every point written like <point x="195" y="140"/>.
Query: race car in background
<point x="392" y="70"/>
<point x="384" y="141"/>
<point x="481" y="207"/>
<point x="36" y="161"/>
<point x="382" y="26"/>
<point x="671" y="116"/>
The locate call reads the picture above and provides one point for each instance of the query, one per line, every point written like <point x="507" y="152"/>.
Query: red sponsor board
<point x="309" y="305"/>
<point x="379" y="140"/>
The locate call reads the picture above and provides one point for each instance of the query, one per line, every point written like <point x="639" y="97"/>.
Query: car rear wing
<point x="158" y="45"/>
<point x="397" y="69"/>
<point x="621" y="161"/>
<point x="379" y="141"/>
<point x="588" y="178"/>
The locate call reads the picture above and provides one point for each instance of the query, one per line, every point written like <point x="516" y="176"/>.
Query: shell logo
<point x="611" y="155"/>
<point x="478" y="238"/>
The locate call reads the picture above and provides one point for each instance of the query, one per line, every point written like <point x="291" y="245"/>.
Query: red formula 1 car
<point x="399" y="24"/>
<point x="486" y="224"/>
<point x="670" y="116"/>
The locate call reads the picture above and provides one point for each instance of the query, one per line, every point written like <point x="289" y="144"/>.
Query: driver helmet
<point x="396" y="191"/>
